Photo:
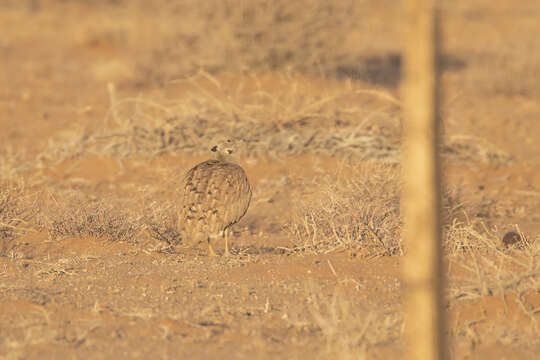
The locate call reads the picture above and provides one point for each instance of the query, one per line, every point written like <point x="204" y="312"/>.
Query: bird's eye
<point x="229" y="140"/>
<point x="214" y="149"/>
<point x="229" y="151"/>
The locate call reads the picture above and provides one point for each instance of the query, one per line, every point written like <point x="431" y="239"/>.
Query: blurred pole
<point x="422" y="277"/>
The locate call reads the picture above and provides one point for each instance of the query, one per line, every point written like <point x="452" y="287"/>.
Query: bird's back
<point x="216" y="195"/>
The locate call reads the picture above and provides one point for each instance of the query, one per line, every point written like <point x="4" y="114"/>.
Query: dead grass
<point x="274" y="123"/>
<point x="76" y="216"/>
<point x="490" y="268"/>
<point x="161" y="223"/>
<point x="358" y="212"/>
<point x="18" y="208"/>
<point x="146" y="219"/>
<point x="482" y="273"/>
<point x="278" y="124"/>
<point x="358" y="209"/>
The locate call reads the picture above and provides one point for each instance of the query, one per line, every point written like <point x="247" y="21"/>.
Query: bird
<point x="216" y="195"/>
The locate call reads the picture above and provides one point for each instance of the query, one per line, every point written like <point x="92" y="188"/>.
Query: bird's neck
<point x="226" y="158"/>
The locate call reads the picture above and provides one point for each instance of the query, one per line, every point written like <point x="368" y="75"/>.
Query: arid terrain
<point x="104" y="105"/>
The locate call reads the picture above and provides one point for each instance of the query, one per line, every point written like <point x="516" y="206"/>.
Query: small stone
<point x="511" y="238"/>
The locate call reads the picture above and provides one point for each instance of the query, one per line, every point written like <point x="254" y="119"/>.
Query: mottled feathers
<point x="216" y="195"/>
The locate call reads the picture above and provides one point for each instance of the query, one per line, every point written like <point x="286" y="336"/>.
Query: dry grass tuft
<point x="286" y="123"/>
<point x="17" y="209"/>
<point x="135" y="220"/>
<point x="162" y="224"/>
<point x="359" y="212"/>
<point x="498" y="285"/>
<point x="75" y="217"/>
<point x="275" y="123"/>
<point x="490" y="268"/>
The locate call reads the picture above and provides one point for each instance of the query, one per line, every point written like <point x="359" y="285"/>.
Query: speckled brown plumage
<point x="216" y="195"/>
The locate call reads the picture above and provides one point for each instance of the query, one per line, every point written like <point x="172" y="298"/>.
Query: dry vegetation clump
<point x="18" y="208"/>
<point x="490" y="267"/>
<point x="135" y="220"/>
<point x="76" y="216"/>
<point x="277" y="125"/>
<point x="482" y="271"/>
<point x="502" y="285"/>
<point x="359" y="212"/>
<point x="161" y="223"/>
<point x="350" y="123"/>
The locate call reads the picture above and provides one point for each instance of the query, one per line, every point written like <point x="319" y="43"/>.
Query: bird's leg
<point x="226" y="236"/>
<point x="210" y="250"/>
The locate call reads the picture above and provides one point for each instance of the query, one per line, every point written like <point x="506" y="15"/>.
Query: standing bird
<point x="216" y="196"/>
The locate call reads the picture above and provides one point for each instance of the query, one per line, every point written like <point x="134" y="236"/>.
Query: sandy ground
<point x="104" y="107"/>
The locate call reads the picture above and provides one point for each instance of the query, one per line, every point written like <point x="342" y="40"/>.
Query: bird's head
<point x="225" y="150"/>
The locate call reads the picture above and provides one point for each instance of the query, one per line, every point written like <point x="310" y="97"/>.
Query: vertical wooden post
<point x="424" y="319"/>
